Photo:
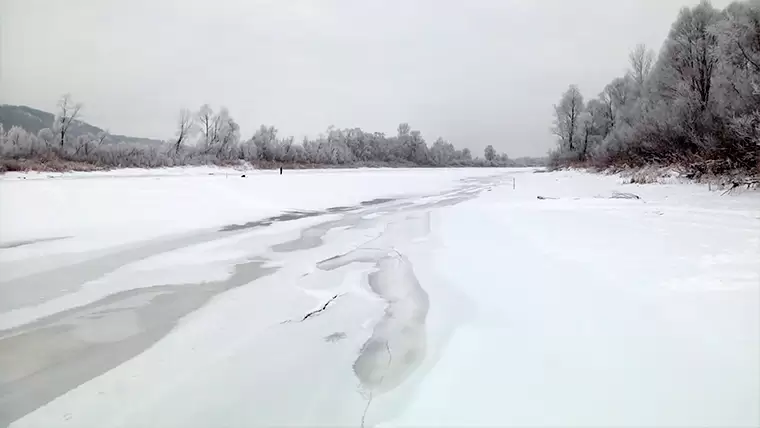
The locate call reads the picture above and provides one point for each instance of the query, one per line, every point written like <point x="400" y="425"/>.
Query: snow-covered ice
<point x="195" y="297"/>
<point x="138" y="204"/>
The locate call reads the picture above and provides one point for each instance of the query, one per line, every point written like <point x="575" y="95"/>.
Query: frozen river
<point x="197" y="297"/>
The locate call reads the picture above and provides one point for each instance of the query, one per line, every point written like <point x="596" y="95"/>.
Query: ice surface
<point x="502" y="309"/>
<point x="138" y="204"/>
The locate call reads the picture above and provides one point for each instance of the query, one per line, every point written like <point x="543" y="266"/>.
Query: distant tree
<point x="185" y="125"/>
<point x="404" y="130"/>
<point x="419" y="153"/>
<point x="68" y="112"/>
<point x="84" y="144"/>
<point x="46" y="136"/>
<point x="641" y="60"/>
<point x="102" y="137"/>
<point x="208" y="122"/>
<point x="587" y="132"/>
<point x="566" y="115"/>
<point x="265" y="140"/>
<point x="442" y="152"/>
<point x="489" y="153"/>
<point x="228" y="135"/>
<point x="248" y="151"/>
<point x="219" y="141"/>
<point x="16" y="136"/>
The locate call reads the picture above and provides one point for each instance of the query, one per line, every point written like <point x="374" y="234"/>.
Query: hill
<point x="32" y="120"/>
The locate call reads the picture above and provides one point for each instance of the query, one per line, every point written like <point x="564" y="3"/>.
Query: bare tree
<point x="184" y="129"/>
<point x="101" y="138"/>
<point x="209" y="124"/>
<point x="68" y="111"/>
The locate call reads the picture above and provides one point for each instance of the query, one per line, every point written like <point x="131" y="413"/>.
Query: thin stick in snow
<point x="382" y="378"/>
<point x="364" y="415"/>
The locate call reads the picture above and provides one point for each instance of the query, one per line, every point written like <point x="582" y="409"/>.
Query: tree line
<point x="696" y="104"/>
<point x="213" y="137"/>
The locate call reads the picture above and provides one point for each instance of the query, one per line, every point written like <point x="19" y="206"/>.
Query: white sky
<point x="475" y="72"/>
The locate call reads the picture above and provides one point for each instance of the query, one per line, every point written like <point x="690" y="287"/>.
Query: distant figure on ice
<point x="280" y="170"/>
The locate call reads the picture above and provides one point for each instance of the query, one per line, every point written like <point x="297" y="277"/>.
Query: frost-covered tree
<point x="442" y="153"/>
<point x="600" y="116"/>
<point x="621" y="93"/>
<point x="489" y="153"/>
<point x="16" y="142"/>
<point x="68" y="112"/>
<point x="83" y="144"/>
<point x="248" y="151"/>
<point x="419" y="152"/>
<point x="641" y="60"/>
<point x="265" y="140"/>
<point x="228" y="135"/>
<point x="566" y="115"/>
<point x="208" y="123"/>
<point x="218" y="141"/>
<point x="46" y="136"/>
<point x="16" y="137"/>
<point x="689" y="56"/>
<point x="404" y="130"/>
<point x="587" y="133"/>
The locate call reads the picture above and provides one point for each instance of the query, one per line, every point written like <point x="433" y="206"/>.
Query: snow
<point x="596" y="312"/>
<point x="464" y="302"/>
<point x="135" y="204"/>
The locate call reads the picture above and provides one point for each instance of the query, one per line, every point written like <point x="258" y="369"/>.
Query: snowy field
<point x="197" y="297"/>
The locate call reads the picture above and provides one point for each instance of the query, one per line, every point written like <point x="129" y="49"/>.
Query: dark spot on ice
<point x="335" y="337"/>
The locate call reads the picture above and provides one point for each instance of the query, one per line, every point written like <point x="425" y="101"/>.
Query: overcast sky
<point x="475" y="72"/>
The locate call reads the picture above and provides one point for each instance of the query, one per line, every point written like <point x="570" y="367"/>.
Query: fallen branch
<point x="382" y="378"/>
<point x="749" y="182"/>
<point x="624" y="195"/>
